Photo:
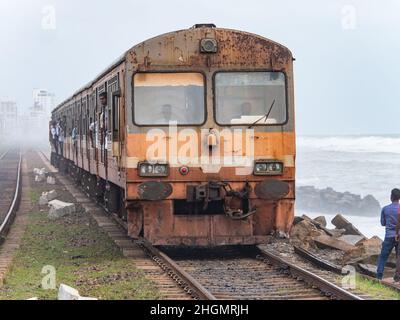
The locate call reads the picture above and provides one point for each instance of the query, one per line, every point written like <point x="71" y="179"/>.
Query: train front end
<point x="210" y="151"/>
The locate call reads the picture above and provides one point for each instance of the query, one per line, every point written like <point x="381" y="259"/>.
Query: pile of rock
<point x="57" y="208"/>
<point x="40" y="174"/>
<point x="330" y="201"/>
<point x="312" y="234"/>
<point x="43" y="175"/>
<point x="46" y="197"/>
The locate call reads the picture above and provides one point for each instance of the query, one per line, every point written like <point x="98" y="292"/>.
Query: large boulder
<point x="351" y="239"/>
<point x="327" y="242"/>
<point x="363" y="250"/>
<point x="321" y="220"/>
<point x="59" y="209"/>
<point x="341" y="222"/>
<point x="337" y="232"/>
<point x="302" y="233"/>
<point x="317" y="224"/>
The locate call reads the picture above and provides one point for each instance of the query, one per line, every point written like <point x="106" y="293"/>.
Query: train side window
<point x="115" y="114"/>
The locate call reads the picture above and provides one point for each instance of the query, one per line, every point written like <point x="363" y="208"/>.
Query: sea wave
<point x="362" y="144"/>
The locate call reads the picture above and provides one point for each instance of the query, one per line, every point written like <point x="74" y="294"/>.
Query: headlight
<point x="153" y="170"/>
<point x="266" y="167"/>
<point x="160" y="169"/>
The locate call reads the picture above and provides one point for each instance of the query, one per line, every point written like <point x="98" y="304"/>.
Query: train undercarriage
<point x="213" y="213"/>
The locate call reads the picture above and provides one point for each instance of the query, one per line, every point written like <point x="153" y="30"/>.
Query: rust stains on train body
<point x="193" y="95"/>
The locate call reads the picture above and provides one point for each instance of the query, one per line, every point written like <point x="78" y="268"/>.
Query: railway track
<point x="326" y="265"/>
<point x="236" y="272"/>
<point x="10" y="186"/>
<point x="243" y="273"/>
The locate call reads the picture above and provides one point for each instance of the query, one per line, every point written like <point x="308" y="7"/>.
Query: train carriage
<point x="195" y="142"/>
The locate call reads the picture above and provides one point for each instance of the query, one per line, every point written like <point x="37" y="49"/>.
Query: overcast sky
<point x="347" y="52"/>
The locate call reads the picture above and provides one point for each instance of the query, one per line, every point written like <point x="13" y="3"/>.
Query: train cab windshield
<point x="162" y="98"/>
<point x="246" y="97"/>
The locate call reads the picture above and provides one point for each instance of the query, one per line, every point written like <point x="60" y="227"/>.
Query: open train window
<point x="245" y="98"/>
<point x="115" y="114"/>
<point x="161" y="98"/>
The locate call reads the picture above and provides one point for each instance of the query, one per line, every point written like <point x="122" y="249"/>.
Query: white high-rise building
<point x="40" y="114"/>
<point x="8" y="116"/>
<point x="43" y="101"/>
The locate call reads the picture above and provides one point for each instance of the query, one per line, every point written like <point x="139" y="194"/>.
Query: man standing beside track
<point x="390" y="220"/>
<point x="396" y="277"/>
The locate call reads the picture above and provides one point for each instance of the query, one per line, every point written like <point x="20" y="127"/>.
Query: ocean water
<point x="359" y="164"/>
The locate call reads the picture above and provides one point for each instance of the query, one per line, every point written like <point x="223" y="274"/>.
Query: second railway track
<point x="10" y="186"/>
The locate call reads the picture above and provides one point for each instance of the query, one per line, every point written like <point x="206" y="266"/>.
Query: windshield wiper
<point x="264" y="116"/>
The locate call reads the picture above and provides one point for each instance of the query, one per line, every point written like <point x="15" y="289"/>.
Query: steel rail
<point x="321" y="263"/>
<point x="312" y="279"/>
<point x="317" y="260"/>
<point x="10" y="216"/>
<point x="3" y="155"/>
<point x="190" y="285"/>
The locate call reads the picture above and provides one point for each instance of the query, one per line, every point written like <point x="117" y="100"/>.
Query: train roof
<point x="122" y="58"/>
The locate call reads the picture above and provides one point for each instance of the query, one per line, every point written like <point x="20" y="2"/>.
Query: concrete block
<point x="59" y="209"/>
<point x="51" y="180"/>
<point x="67" y="293"/>
<point x="46" y="197"/>
<point x="40" y="174"/>
<point x="321" y="220"/>
<point x="325" y="241"/>
<point x="341" y="222"/>
<point x="363" y="250"/>
<point x="39" y="178"/>
<point x="351" y="239"/>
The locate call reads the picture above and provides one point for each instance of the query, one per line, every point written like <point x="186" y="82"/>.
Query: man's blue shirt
<point x="389" y="218"/>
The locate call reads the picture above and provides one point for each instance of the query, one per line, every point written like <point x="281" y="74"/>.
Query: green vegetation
<point x="376" y="289"/>
<point x="84" y="257"/>
<point x="34" y="196"/>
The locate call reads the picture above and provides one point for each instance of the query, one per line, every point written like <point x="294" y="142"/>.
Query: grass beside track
<point x="377" y="290"/>
<point x="83" y="257"/>
<point x="374" y="289"/>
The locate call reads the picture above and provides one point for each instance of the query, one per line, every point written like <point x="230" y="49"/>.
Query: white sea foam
<point x="364" y="144"/>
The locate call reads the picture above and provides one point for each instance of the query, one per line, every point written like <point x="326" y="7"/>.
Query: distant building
<point x="39" y="115"/>
<point x="8" y="116"/>
<point x="43" y="101"/>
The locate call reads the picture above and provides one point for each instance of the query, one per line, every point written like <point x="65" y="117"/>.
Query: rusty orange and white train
<point x="193" y="142"/>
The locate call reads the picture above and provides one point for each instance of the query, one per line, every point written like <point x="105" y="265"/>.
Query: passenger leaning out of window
<point x="103" y="118"/>
<point x="54" y="137"/>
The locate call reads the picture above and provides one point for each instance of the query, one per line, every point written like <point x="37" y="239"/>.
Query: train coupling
<point x="236" y="203"/>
